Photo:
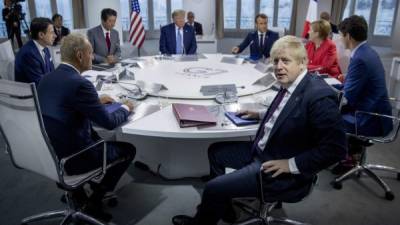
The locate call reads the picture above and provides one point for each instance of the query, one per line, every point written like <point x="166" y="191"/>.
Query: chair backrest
<point x="22" y="126"/>
<point x="7" y="59"/>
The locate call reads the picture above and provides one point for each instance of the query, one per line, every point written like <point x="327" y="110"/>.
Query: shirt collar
<point x="104" y="30"/>
<point x="356" y="48"/>
<point x="39" y="46"/>
<point x="259" y="33"/>
<point x="73" y="67"/>
<point x="296" y="82"/>
<point x="177" y="28"/>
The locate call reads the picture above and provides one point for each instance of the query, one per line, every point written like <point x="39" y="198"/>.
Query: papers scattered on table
<point x="264" y="68"/>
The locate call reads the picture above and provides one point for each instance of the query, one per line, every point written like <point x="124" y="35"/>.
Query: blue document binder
<point x="239" y="121"/>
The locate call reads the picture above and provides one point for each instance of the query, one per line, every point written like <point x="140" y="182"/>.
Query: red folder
<point x="193" y="115"/>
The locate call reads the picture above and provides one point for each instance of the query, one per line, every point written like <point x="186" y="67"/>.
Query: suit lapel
<point x="294" y="100"/>
<point x="102" y="38"/>
<point x="38" y="56"/>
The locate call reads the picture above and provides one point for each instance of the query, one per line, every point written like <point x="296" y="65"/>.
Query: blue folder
<point x="239" y="121"/>
<point x="112" y="107"/>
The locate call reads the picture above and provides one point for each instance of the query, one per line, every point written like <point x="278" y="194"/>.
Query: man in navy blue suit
<point x="300" y="134"/>
<point x="364" y="87"/>
<point x="70" y="105"/>
<point x="33" y="60"/>
<point x="178" y="37"/>
<point x="260" y="41"/>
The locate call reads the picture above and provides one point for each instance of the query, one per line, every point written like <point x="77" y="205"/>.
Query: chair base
<point x="262" y="215"/>
<point x="367" y="169"/>
<point x="67" y="215"/>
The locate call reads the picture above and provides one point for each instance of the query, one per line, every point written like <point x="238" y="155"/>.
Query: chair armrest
<point x="91" y="174"/>
<point x="384" y="139"/>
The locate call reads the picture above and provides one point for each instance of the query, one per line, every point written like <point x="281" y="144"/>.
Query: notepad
<point x="238" y="121"/>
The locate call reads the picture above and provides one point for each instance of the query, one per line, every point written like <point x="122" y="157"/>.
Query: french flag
<point x="312" y="15"/>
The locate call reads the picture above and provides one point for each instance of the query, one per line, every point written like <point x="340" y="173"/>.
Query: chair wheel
<point x="112" y="202"/>
<point x="389" y="195"/>
<point x="337" y="185"/>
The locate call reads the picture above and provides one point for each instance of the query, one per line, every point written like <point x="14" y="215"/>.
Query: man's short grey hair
<point x="178" y="12"/>
<point x="71" y="44"/>
<point x="294" y="45"/>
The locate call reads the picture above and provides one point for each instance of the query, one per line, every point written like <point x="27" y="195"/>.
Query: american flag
<point x="136" y="29"/>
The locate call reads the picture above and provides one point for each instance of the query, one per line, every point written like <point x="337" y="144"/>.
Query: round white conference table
<point x="167" y="149"/>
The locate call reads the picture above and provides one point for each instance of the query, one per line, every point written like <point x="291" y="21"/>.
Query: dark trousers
<point x="218" y="192"/>
<point x="116" y="151"/>
<point x="14" y="31"/>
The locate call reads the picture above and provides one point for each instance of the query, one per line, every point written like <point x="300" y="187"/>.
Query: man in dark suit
<point x="364" y="88"/>
<point x="59" y="30"/>
<point x="260" y="41"/>
<point x="12" y="19"/>
<point x="70" y="105"/>
<point x="300" y="134"/>
<point x="178" y="37"/>
<point x="198" y="28"/>
<point x="325" y="16"/>
<point x="105" y="39"/>
<point x="33" y="60"/>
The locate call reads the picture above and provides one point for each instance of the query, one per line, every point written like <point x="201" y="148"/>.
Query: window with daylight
<point x="160" y="13"/>
<point x="3" y="29"/>
<point x="247" y="14"/>
<point x="267" y="7"/>
<point x="385" y="17"/>
<point x="230" y="14"/>
<point x="379" y="25"/>
<point x="279" y="13"/>
<point x="64" y="8"/>
<point x="43" y="8"/>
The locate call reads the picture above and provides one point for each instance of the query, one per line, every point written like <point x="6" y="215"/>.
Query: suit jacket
<point x="324" y="59"/>
<point x="98" y="40"/>
<point x="252" y="39"/>
<point x="198" y="28"/>
<point x="309" y="128"/>
<point x="59" y="36"/>
<point x="334" y="28"/>
<point x="69" y="105"/>
<point x="29" y="64"/>
<point x="365" y="90"/>
<point x="168" y="40"/>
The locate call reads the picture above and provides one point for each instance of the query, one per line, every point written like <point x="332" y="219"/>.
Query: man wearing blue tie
<point x="178" y="37"/>
<point x="33" y="60"/>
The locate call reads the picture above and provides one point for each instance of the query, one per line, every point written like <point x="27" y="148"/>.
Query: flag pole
<point x="138" y="52"/>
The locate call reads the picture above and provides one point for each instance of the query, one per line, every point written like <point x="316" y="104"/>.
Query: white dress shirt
<point x="356" y="48"/>
<point x="40" y="49"/>
<point x="271" y="122"/>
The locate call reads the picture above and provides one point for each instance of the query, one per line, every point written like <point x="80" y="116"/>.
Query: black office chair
<point x="22" y="126"/>
<point x="262" y="214"/>
<point x="365" y="141"/>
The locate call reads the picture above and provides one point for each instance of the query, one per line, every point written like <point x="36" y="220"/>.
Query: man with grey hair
<point x="70" y="105"/>
<point x="300" y="134"/>
<point x="178" y="37"/>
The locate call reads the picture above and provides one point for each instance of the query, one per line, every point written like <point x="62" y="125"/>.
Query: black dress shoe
<point x="183" y="220"/>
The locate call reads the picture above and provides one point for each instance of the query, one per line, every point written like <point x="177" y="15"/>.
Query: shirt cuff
<point x="293" y="167"/>
<point x="125" y="107"/>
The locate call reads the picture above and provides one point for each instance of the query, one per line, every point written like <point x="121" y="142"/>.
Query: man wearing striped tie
<point x="178" y="37"/>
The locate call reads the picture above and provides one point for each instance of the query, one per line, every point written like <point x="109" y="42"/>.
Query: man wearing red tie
<point x="104" y="39"/>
